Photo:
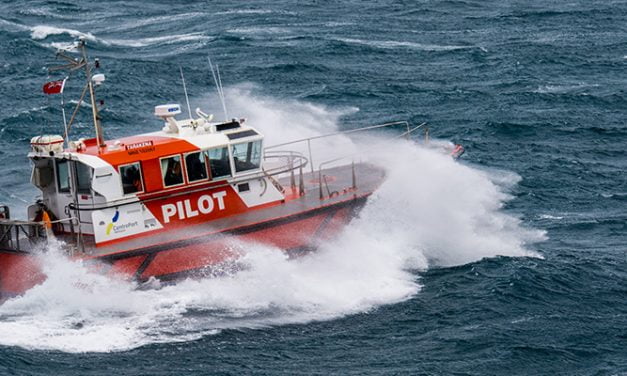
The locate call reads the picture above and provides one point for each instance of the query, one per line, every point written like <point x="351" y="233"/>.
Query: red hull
<point x="184" y="257"/>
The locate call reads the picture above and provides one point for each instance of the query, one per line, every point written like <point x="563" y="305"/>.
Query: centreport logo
<point x="115" y="218"/>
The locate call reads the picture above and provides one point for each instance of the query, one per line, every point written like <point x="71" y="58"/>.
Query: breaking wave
<point x="168" y="39"/>
<point x="41" y="32"/>
<point x="431" y="211"/>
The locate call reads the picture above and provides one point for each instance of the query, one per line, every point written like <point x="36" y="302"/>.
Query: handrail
<point x="31" y="231"/>
<point x="403" y="122"/>
<point x="404" y="134"/>
<point x="354" y="183"/>
<point x="17" y="222"/>
<point x="236" y="180"/>
<point x="267" y="155"/>
<point x="362" y="129"/>
<point x="292" y="157"/>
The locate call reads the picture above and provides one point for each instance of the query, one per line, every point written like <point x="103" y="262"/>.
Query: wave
<point x="549" y="216"/>
<point x="563" y="88"/>
<point x="168" y="39"/>
<point x="390" y="44"/>
<point x="256" y="11"/>
<point x="258" y="30"/>
<point x="41" y="32"/>
<point x="135" y="24"/>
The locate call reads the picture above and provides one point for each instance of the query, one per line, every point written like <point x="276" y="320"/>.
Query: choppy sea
<point x="511" y="260"/>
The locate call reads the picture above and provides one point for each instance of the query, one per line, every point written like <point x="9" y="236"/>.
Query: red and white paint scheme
<point x="170" y="203"/>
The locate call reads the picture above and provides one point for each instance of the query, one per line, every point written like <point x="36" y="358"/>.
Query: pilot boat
<point x="171" y="203"/>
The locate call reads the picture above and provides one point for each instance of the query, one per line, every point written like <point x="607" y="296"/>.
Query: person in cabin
<point x="131" y="180"/>
<point x="195" y="167"/>
<point x="137" y="182"/>
<point x="173" y="174"/>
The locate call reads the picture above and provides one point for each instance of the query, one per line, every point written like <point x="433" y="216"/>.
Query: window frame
<point x="207" y="168"/>
<point x="232" y="154"/>
<point x="229" y="160"/>
<point x="141" y="177"/>
<point x="183" y="175"/>
<point x="75" y="164"/>
<point x="57" y="177"/>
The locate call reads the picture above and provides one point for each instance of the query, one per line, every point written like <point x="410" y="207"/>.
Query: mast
<point x="92" y="95"/>
<point x="74" y="64"/>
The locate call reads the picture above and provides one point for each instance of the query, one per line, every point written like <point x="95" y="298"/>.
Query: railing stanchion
<point x="354" y="177"/>
<point x="292" y="177"/>
<point x="301" y="184"/>
<point x="310" y="156"/>
<point x="320" y="182"/>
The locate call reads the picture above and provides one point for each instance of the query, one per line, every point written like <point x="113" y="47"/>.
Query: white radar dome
<point x="167" y="110"/>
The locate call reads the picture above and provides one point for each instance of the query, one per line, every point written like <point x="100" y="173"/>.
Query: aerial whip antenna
<point x="218" y="81"/>
<point x="189" y="109"/>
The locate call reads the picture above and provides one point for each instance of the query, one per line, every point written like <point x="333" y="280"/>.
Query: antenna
<point x="221" y="91"/>
<point x="65" y="126"/>
<point x="189" y="109"/>
<point x="218" y="82"/>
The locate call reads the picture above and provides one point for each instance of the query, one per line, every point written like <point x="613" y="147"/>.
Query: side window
<point x="43" y="173"/>
<point x="219" y="162"/>
<point x="63" y="176"/>
<point x="83" y="178"/>
<point x="196" y="167"/>
<point x="247" y="156"/>
<point x="131" y="178"/>
<point x="171" y="171"/>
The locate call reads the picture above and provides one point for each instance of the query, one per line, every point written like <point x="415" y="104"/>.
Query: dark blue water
<point x="534" y="90"/>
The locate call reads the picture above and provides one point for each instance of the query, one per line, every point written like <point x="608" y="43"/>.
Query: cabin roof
<point x="161" y="144"/>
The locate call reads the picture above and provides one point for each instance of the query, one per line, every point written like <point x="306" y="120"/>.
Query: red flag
<point x="54" y="87"/>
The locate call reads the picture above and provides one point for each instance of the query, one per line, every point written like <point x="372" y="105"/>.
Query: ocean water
<point x="511" y="260"/>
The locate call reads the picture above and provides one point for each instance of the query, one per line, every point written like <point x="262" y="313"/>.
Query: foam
<point x="391" y="44"/>
<point x="431" y="211"/>
<point x="561" y="89"/>
<point x="168" y="39"/>
<point x="41" y="32"/>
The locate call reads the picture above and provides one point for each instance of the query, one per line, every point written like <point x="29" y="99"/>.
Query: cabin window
<point x="219" y="162"/>
<point x="131" y="177"/>
<point x="43" y="173"/>
<point x="247" y="156"/>
<point x="83" y="178"/>
<point x="63" y="176"/>
<point x="171" y="171"/>
<point x="196" y="167"/>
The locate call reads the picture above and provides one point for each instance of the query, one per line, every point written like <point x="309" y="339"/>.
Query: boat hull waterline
<point x="295" y="227"/>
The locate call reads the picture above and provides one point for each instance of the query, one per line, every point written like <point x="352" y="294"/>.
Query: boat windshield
<point x="219" y="162"/>
<point x="247" y="156"/>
